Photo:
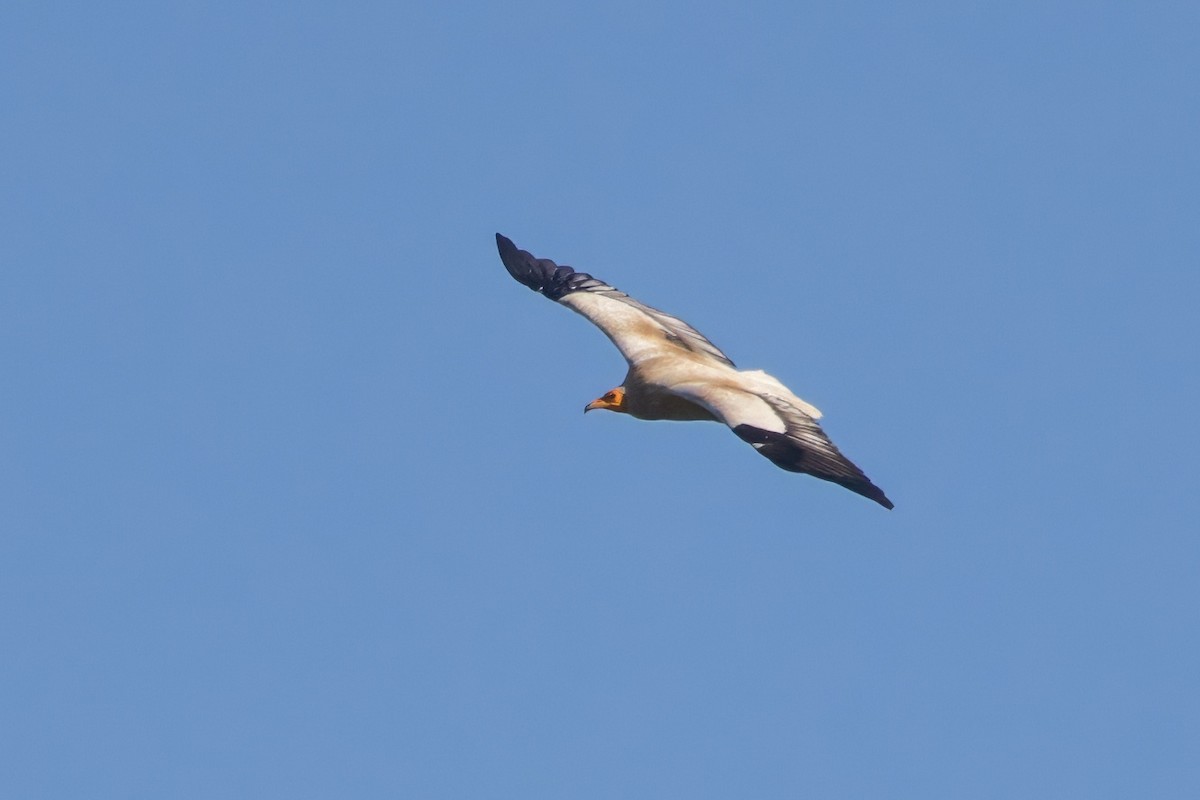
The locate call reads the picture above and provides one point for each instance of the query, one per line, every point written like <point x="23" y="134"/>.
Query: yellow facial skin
<point x="611" y="401"/>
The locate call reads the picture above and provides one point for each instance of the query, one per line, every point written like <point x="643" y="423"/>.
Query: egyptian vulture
<point x="677" y="374"/>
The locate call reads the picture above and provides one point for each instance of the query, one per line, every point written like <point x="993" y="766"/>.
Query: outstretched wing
<point x="638" y="331"/>
<point x="782" y="432"/>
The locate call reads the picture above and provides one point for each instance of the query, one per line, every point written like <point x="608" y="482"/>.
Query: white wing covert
<point x="637" y="330"/>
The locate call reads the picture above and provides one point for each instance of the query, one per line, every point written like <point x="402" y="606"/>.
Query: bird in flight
<point x="677" y="374"/>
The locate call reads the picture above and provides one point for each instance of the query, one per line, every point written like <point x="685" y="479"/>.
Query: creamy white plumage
<point x="677" y="374"/>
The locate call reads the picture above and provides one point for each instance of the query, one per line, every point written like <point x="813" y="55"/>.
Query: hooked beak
<point x="611" y="401"/>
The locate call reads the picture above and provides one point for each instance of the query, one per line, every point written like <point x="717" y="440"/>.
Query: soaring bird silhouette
<point x="677" y="374"/>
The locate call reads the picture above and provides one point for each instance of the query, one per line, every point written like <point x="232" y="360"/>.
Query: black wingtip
<point x="861" y="486"/>
<point x="542" y="274"/>
<point x="508" y="250"/>
<point x="881" y="499"/>
<point x="521" y="265"/>
<point x="785" y="453"/>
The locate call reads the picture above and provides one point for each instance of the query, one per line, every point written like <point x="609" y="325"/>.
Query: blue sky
<point x="296" y="496"/>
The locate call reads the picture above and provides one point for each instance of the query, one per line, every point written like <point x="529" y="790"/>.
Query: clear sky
<point x="297" y="498"/>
